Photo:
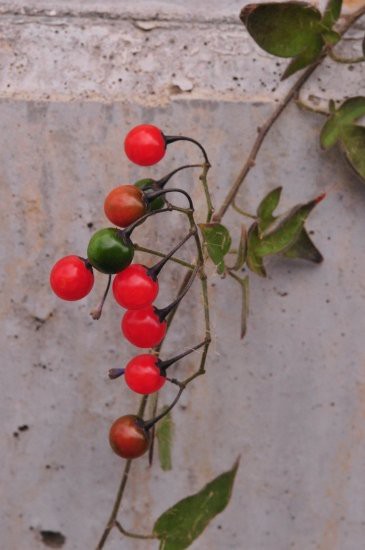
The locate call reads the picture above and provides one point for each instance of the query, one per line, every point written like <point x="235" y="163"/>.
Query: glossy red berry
<point x="143" y="375"/>
<point x="143" y="327"/>
<point x="145" y="145"/>
<point x="134" y="288"/>
<point x="128" y="437"/>
<point x="71" y="278"/>
<point x="124" y="205"/>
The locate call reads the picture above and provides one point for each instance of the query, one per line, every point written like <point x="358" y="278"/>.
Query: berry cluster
<point x="135" y="287"/>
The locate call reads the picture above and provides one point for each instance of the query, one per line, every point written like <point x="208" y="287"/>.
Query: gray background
<point x="290" y="399"/>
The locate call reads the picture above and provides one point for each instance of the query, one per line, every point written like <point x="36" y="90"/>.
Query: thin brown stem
<point x="118" y="499"/>
<point x="132" y="535"/>
<point x="96" y="313"/>
<point x="265" y="128"/>
<point x="204" y="179"/>
<point x="161" y="255"/>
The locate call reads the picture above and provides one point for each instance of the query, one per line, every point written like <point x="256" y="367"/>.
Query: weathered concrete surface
<point x="290" y="399"/>
<point x="52" y="56"/>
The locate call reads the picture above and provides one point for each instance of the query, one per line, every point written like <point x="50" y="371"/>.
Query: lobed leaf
<point x="285" y="230"/>
<point x="268" y="205"/>
<point x="341" y="119"/>
<point x="181" y="524"/>
<point x="164" y="435"/>
<point x="217" y="241"/>
<point x="304" y="249"/>
<point x="353" y="144"/>
<point x="284" y="29"/>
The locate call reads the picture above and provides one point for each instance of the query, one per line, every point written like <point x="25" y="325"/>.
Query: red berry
<point x="128" y="438"/>
<point x="71" y="278"/>
<point x="145" y="145"/>
<point x="143" y="328"/>
<point x="125" y="205"/>
<point x="134" y="288"/>
<point x="143" y="375"/>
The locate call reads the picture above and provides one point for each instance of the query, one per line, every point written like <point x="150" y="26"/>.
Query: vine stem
<point x="264" y="129"/>
<point x="123" y="482"/>
<point x="161" y="255"/>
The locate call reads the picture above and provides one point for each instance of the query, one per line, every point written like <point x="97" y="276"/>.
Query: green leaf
<point x="267" y="206"/>
<point x="181" y="524"/>
<point x="331" y="37"/>
<point x="353" y="144"/>
<point x="304" y="248"/>
<point x="337" y="123"/>
<point x="285" y="230"/>
<point x="217" y="241"/>
<point x="254" y="261"/>
<point x="242" y="250"/>
<point x="164" y="435"/>
<point x="305" y="58"/>
<point x="332" y="12"/>
<point x="284" y="29"/>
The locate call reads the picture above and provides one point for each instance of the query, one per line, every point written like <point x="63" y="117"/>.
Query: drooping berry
<point x="128" y="438"/>
<point x="71" y="278"/>
<point x="134" y="287"/>
<point x="143" y="374"/>
<point x="145" y="145"/>
<point x="109" y="251"/>
<point x="124" y="205"/>
<point x="143" y="327"/>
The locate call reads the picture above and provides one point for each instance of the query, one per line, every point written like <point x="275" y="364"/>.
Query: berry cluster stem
<point x="199" y="266"/>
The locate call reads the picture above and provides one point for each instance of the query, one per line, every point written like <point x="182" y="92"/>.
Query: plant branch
<point x="203" y="178"/>
<point x="132" y="535"/>
<point x="161" y="255"/>
<point x="265" y="128"/>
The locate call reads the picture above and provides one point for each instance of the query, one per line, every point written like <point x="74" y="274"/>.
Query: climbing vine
<point x="294" y="30"/>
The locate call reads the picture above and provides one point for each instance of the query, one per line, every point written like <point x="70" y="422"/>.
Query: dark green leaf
<point x="242" y="250"/>
<point x="331" y="13"/>
<point x="217" y="241"/>
<point x="341" y="119"/>
<point x="285" y="230"/>
<point x="254" y="261"/>
<point x="180" y="525"/>
<point x="353" y="143"/>
<point x="164" y="435"/>
<point x="305" y="58"/>
<point x="304" y="248"/>
<point x="331" y="37"/>
<point x="267" y="207"/>
<point x="284" y="29"/>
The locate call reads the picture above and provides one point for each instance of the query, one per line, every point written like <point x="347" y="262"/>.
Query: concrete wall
<point x="290" y="399"/>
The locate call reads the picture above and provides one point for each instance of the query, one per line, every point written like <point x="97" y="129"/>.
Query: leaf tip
<point x="246" y="12"/>
<point x="320" y="198"/>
